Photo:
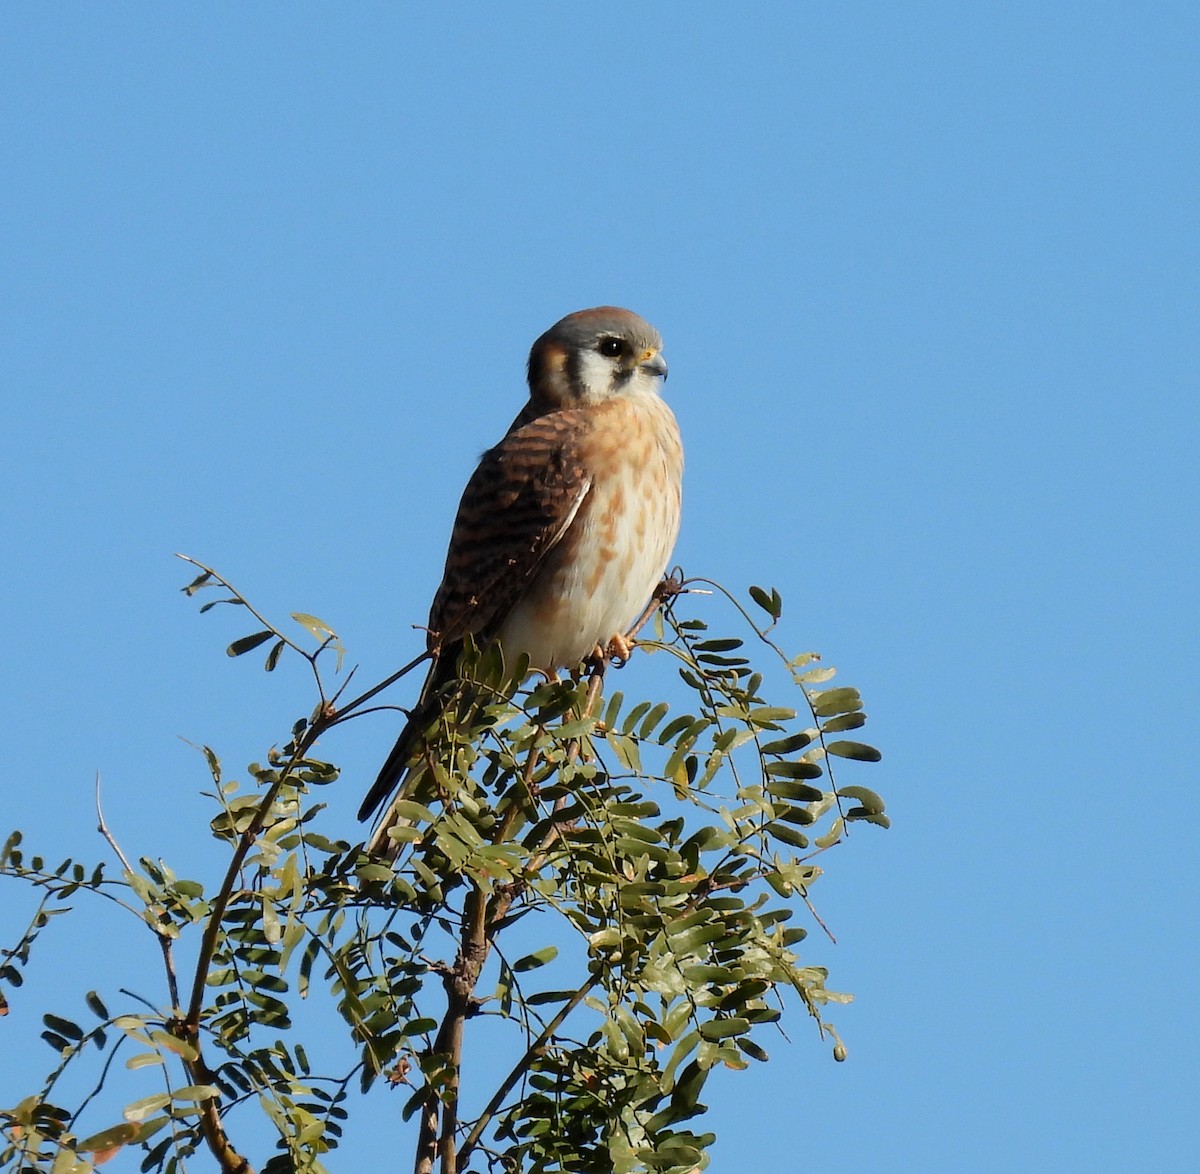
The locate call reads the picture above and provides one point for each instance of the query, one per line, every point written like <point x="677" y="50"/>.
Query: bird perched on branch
<point x="565" y="528"/>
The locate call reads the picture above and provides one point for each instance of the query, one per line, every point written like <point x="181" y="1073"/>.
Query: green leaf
<point x="413" y="811"/>
<point x="536" y="959"/>
<point x="541" y="998"/>
<point x="271" y="928"/>
<point x="690" y="940"/>
<point x="789" y="814"/>
<point x="799" y="792"/>
<point x="652" y="719"/>
<point x="781" y="885"/>
<point x="626" y="751"/>
<point x="173" y="1044"/>
<point x="718" y="645"/>
<point x="859" y="751"/>
<point x="96" y="1005"/>
<point x="196" y="583"/>
<point x="218" y="602"/>
<point x="263" y="981"/>
<point x="846" y="721"/>
<point x="862" y="815"/>
<point x="691" y="1080"/>
<point x="142" y="1109"/>
<point x="788" y="745"/>
<point x="196" y="1092"/>
<point x="613" y="709"/>
<point x="705" y="974"/>
<point x="769" y="715"/>
<point x="273" y="656"/>
<point x="731" y="739"/>
<point x="723" y="1028"/>
<point x="676" y="726"/>
<point x="672" y="1155"/>
<point x="248" y="643"/>
<point x="109" y="1139"/>
<point x="63" y="1027"/>
<point x="834" y="701"/>
<point x="374" y="872"/>
<point x="788" y="835"/>
<point x="772" y="604"/>
<point x="307" y="959"/>
<point x="793" y="770"/>
<point x="817" y="676"/>
<point x="634" y="716"/>
<point x="721" y="662"/>
<point x="317" y="627"/>
<point x="870" y="801"/>
<point x="576" y="729"/>
<point x="143" y="1060"/>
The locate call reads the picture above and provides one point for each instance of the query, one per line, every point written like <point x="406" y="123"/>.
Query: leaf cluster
<point x="613" y="882"/>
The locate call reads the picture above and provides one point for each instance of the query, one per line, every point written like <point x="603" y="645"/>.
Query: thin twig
<point x="816" y="916"/>
<point x="188" y="1029"/>
<point x="164" y="940"/>
<point x="112" y="1055"/>
<point x="310" y="657"/>
<point x="102" y="828"/>
<point x="519" y="1070"/>
<point x="348" y="710"/>
<point x="270" y="627"/>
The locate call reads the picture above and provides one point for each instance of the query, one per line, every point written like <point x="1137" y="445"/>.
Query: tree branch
<point x="519" y="1070"/>
<point x="187" y="1029"/>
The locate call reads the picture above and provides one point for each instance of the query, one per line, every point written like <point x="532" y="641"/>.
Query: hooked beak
<point x="654" y="364"/>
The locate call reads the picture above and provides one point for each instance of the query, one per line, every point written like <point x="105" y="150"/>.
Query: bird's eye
<point x="612" y="347"/>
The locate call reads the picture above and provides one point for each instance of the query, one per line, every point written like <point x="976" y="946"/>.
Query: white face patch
<point x="598" y="375"/>
<point x="596" y="372"/>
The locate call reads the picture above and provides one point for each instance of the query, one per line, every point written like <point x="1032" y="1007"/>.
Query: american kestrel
<point x="565" y="528"/>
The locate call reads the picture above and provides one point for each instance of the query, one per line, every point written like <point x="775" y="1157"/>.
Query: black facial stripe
<point x="574" y="369"/>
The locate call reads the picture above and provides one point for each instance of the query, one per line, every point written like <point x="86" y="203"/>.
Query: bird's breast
<point x="602" y="572"/>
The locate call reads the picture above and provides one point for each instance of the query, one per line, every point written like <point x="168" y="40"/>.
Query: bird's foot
<point x="619" y="649"/>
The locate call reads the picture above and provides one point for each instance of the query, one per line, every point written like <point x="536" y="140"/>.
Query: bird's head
<point x="592" y="355"/>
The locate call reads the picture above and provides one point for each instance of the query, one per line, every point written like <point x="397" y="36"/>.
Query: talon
<point x="619" y="648"/>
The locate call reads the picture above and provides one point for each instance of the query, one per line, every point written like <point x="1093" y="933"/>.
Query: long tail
<point x="391" y="774"/>
<point x="392" y="770"/>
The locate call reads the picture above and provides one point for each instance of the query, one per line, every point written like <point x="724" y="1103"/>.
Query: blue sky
<point x="927" y="276"/>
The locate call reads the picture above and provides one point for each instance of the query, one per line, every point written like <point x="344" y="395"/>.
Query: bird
<point x="564" y="529"/>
